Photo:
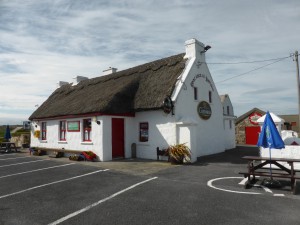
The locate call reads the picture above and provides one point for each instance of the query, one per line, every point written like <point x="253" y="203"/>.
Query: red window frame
<point x="44" y="130"/>
<point x="144" y="132"/>
<point x="87" y="129"/>
<point x="62" y="130"/>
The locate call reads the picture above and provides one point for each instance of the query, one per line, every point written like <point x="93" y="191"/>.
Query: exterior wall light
<point x="206" y="48"/>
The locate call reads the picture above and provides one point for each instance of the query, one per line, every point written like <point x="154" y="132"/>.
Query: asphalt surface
<point x="43" y="190"/>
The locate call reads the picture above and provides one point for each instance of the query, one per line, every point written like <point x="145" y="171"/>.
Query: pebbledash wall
<point x="203" y="136"/>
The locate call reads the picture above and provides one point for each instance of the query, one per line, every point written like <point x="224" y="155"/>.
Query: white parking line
<point x="31" y="171"/>
<point x="99" y="202"/>
<point x="15" y="158"/>
<point x="55" y="182"/>
<point x="7" y="155"/>
<point x="24" y="163"/>
<point x="279" y="195"/>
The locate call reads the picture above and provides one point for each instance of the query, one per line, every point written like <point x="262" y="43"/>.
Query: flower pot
<point x="175" y="161"/>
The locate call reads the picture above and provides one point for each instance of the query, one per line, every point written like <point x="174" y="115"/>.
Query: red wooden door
<point x="117" y="137"/>
<point x="252" y="134"/>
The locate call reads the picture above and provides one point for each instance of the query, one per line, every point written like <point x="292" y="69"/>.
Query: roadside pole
<point x="298" y="84"/>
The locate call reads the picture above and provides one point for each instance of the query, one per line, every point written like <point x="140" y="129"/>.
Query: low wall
<point x="20" y="140"/>
<point x="290" y="151"/>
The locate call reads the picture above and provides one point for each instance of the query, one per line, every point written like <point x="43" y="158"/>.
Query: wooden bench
<point x="8" y="147"/>
<point x="291" y="177"/>
<point x="162" y="152"/>
<point x="257" y="167"/>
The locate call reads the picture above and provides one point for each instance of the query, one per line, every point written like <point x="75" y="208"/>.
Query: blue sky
<point x="43" y="42"/>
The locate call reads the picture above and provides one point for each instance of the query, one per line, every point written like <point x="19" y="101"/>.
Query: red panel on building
<point x="252" y="134"/>
<point x="117" y="137"/>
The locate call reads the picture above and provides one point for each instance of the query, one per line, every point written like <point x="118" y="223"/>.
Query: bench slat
<point x="263" y="174"/>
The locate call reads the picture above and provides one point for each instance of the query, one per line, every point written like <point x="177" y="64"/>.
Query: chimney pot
<point x="61" y="83"/>
<point x="110" y="70"/>
<point x="77" y="79"/>
<point x="193" y="48"/>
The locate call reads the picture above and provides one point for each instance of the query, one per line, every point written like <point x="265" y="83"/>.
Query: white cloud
<point x="43" y="42"/>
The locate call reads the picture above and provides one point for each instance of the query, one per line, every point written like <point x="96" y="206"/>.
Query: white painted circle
<point x="209" y="183"/>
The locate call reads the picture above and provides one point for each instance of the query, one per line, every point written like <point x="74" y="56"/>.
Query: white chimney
<point x="77" y="79"/>
<point x="61" y="83"/>
<point x="110" y="70"/>
<point x="194" y="48"/>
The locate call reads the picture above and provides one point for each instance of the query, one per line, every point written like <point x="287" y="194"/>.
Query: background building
<point x="247" y="128"/>
<point x="291" y="122"/>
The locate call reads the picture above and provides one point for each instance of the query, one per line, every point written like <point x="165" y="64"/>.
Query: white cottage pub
<point x="157" y="104"/>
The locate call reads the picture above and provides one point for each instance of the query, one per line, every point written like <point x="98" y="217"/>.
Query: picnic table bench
<point x="257" y="169"/>
<point x="8" y="146"/>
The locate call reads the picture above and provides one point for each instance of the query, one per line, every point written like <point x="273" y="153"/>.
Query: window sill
<point x="87" y="143"/>
<point x="44" y="141"/>
<point x="62" y="142"/>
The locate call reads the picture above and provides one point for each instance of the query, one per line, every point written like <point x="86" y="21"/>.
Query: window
<point x="144" y="132"/>
<point x="87" y="130"/>
<point x="44" y="131"/>
<point x="230" y="124"/>
<point x="62" y="130"/>
<point x="228" y="112"/>
<point x="195" y="93"/>
<point x="209" y="97"/>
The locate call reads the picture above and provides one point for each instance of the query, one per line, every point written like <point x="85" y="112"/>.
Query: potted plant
<point x="37" y="133"/>
<point x="179" y="153"/>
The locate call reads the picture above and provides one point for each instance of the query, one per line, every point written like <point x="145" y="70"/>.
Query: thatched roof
<point x="136" y="89"/>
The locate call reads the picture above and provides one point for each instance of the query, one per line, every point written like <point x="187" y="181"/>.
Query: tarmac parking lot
<point x="44" y="190"/>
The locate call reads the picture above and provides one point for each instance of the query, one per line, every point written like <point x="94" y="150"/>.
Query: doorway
<point x="252" y="134"/>
<point x="117" y="137"/>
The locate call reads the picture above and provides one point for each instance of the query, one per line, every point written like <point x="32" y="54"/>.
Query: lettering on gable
<point x="198" y="64"/>
<point x="199" y="75"/>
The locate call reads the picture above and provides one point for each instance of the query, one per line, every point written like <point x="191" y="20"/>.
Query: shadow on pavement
<point x="233" y="156"/>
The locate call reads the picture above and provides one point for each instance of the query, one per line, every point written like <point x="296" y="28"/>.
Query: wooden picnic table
<point x="256" y="168"/>
<point x="8" y="146"/>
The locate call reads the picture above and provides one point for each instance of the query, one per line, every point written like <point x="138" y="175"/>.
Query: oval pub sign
<point x="204" y="110"/>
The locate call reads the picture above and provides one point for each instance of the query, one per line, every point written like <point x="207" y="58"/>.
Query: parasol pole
<point x="270" y="162"/>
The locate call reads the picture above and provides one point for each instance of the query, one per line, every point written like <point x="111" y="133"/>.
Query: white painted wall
<point x="73" y="139"/>
<point x="212" y="135"/>
<point x="162" y="132"/>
